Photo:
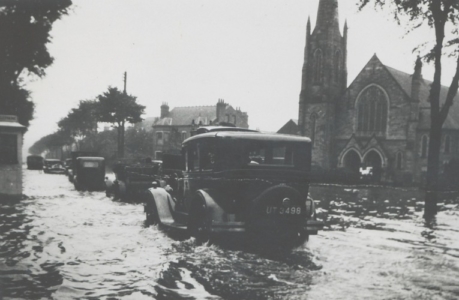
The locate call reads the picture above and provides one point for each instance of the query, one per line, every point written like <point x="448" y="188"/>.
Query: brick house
<point x="174" y="126"/>
<point x="380" y="120"/>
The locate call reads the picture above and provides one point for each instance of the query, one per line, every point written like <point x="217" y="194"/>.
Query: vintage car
<point x="34" y="162"/>
<point x="89" y="174"/>
<point x="132" y="178"/>
<point x="67" y="165"/>
<point x="53" y="166"/>
<point x="73" y="161"/>
<point x="238" y="182"/>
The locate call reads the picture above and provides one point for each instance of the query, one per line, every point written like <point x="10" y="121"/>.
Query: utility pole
<point x="125" y="80"/>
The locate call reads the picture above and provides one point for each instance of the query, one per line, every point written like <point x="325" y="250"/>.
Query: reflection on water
<point x="345" y="206"/>
<point x="59" y="243"/>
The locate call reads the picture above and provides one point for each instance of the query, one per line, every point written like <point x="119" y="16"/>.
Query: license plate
<point x="274" y="210"/>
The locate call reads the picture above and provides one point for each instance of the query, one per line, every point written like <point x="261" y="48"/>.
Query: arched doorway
<point x="374" y="161"/>
<point x="351" y="161"/>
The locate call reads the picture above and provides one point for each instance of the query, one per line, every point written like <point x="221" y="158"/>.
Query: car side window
<point x="192" y="157"/>
<point x="207" y="156"/>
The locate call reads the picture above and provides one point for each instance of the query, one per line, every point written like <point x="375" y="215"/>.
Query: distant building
<point x="291" y="127"/>
<point x="381" y="120"/>
<point x="174" y="126"/>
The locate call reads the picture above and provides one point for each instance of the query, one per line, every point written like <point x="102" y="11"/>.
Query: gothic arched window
<point x="337" y="65"/>
<point x="424" y="142"/>
<point x="313" y="127"/>
<point x="372" y="110"/>
<point x="447" y="144"/>
<point x="318" y="66"/>
<point x="398" y="160"/>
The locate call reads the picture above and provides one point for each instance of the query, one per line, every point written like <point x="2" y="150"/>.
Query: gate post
<point x="11" y="133"/>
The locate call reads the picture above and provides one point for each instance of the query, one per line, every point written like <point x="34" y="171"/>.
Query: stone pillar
<point x="11" y="133"/>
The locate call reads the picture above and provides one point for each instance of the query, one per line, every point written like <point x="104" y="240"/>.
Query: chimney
<point x="416" y="80"/>
<point x="221" y="106"/>
<point x="164" y="110"/>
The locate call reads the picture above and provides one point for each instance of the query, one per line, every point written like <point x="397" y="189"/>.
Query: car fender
<point x="164" y="203"/>
<point x="214" y="212"/>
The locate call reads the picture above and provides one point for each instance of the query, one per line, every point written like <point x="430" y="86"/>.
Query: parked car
<point x="74" y="156"/>
<point x="89" y="174"/>
<point x="133" y="178"/>
<point x="237" y="182"/>
<point x="67" y="165"/>
<point x="53" y="166"/>
<point x="34" y="162"/>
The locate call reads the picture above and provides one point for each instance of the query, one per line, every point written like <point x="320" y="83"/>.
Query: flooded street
<point x="63" y="244"/>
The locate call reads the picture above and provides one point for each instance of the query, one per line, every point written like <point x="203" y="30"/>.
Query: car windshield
<point x="90" y="164"/>
<point x="53" y="163"/>
<point x="245" y="154"/>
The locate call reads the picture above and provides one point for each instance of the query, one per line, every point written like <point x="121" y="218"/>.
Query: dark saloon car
<point x="34" y="162"/>
<point x="53" y="166"/>
<point x="89" y="174"/>
<point x="238" y="183"/>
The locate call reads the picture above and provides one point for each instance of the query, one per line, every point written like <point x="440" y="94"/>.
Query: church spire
<point x="327" y="15"/>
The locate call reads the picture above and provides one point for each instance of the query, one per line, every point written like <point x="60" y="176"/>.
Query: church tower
<point x="324" y="81"/>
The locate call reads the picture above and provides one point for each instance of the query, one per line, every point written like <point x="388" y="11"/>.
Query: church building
<point x="381" y="120"/>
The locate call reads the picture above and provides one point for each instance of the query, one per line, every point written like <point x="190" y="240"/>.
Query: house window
<point x="372" y="111"/>
<point x="159" y="138"/>
<point x="447" y="144"/>
<point x="424" y="142"/>
<point x="234" y="119"/>
<point x="228" y="118"/>
<point x="318" y="65"/>
<point x="158" y="155"/>
<point x="398" y="160"/>
<point x="184" y="135"/>
<point x="8" y="149"/>
<point x="166" y="137"/>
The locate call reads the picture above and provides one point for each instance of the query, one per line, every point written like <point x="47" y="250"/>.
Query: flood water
<point x="59" y="243"/>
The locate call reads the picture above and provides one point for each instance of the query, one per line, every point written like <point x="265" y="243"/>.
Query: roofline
<point x="398" y="83"/>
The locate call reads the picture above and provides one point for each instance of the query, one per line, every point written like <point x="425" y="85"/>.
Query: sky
<point x="194" y="52"/>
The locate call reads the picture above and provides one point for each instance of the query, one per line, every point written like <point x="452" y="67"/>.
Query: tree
<point x="81" y="121"/>
<point x="16" y="101"/>
<point x="119" y="108"/>
<point x="24" y="33"/>
<point x="139" y="143"/>
<point x="442" y="16"/>
<point x="52" y="143"/>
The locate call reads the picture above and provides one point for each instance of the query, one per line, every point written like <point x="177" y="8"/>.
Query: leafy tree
<point x="119" y="108"/>
<point x="442" y="16"/>
<point x="139" y="143"/>
<point x="50" y="143"/>
<point x="24" y="33"/>
<point x="81" y="121"/>
<point x="104" y="143"/>
<point x="16" y="101"/>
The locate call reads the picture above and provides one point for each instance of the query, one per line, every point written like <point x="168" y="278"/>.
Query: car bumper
<point x="311" y="227"/>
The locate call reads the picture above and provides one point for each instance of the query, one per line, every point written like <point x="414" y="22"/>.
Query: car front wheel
<point x="151" y="211"/>
<point x="197" y="223"/>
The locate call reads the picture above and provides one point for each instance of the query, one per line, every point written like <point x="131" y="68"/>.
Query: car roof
<point x="251" y="135"/>
<point x="205" y="129"/>
<point x="52" y="159"/>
